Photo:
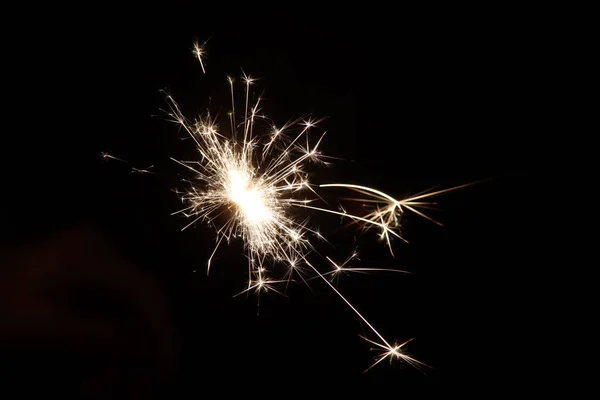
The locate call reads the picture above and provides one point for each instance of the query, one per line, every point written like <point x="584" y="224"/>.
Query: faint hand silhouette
<point x="79" y="317"/>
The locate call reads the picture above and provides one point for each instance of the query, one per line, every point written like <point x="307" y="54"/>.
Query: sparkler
<point x="249" y="185"/>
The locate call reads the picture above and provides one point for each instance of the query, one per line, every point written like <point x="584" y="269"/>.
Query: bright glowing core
<point x="249" y="198"/>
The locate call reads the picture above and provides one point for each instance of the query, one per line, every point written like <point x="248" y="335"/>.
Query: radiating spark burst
<point x="247" y="186"/>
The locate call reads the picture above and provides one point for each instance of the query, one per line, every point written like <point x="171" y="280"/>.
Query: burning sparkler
<point x="247" y="186"/>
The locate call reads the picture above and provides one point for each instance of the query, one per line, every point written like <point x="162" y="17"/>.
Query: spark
<point x="106" y="157"/>
<point x="386" y="211"/>
<point x="340" y="268"/>
<point x="199" y="52"/>
<point x="142" y="170"/>
<point x="252" y="184"/>
<point x="393" y="352"/>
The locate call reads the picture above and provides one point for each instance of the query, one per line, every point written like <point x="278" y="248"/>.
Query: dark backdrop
<point x="412" y="99"/>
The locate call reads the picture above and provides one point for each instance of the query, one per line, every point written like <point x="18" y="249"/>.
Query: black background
<point x="412" y="99"/>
